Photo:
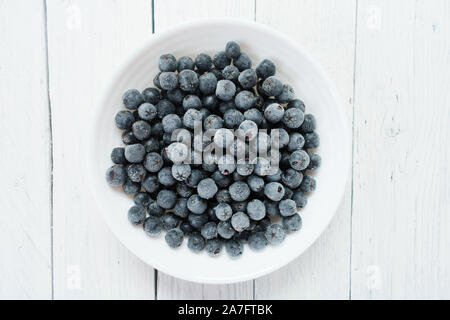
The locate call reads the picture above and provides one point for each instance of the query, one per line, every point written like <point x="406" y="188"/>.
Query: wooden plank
<point x="402" y="151"/>
<point x="87" y="40"/>
<point x="327" y="30"/>
<point x="25" y="270"/>
<point x="168" y="13"/>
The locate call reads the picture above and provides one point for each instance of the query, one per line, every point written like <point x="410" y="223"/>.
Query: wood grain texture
<point x="168" y="13"/>
<point x="327" y="30"/>
<point x="402" y="151"/>
<point x="25" y="241"/>
<point x="87" y="40"/>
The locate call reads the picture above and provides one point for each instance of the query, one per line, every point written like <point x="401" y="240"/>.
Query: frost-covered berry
<point x="248" y="78"/>
<point x="287" y="94"/>
<point x="213" y="247"/>
<point x="181" y="171"/>
<point x="150" y="183"/>
<point x="239" y="191"/>
<point x="209" y="230"/>
<point x="136" y="172"/>
<point x="272" y="87"/>
<point x="243" y="62"/>
<point x="248" y="130"/>
<point x="292" y="178"/>
<point x="116" y="175"/>
<point x="185" y="63"/>
<point x="230" y="73"/>
<point x="274" y="113"/>
<point x="192" y="101"/>
<point x="225" y="230"/>
<point x="171" y="122"/>
<point x="275" y="234"/>
<point x="256" y="209"/>
<point x="265" y="69"/>
<point x="166" y="199"/>
<point x="292" y="223"/>
<point x="315" y="161"/>
<point x="191" y="117"/>
<point x="196" y="242"/>
<point x="207" y="188"/>
<point x="274" y="191"/>
<point x="188" y="80"/>
<point x="153" y="226"/>
<point x="153" y="162"/>
<point x="257" y="240"/>
<point x="135" y="153"/>
<point x="299" y="160"/>
<point x="244" y="100"/>
<point x="177" y="152"/>
<point x="168" y="80"/>
<point x="196" y="204"/>
<point x="130" y="187"/>
<point x="296" y="142"/>
<point x="312" y="140"/>
<point x="170" y="221"/>
<point x="287" y="207"/>
<point x="308" y="184"/>
<point x="245" y="169"/>
<point x="296" y="103"/>
<point x="253" y="115"/>
<point x="124" y="120"/>
<point x="256" y="183"/>
<point x="141" y="129"/>
<point x="167" y="62"/>
<point x="136" y="214"/>
<point x="207" y="83"/>
<point x="232" y="49"/>
<point x="225" y="90"/>
<point x="234" y="248"/>
<point x="212" y="122"/>
<point x="174" y="238"/>
<point x="223" y="138"/>
<point x="165" y="177"/>
<point x="293" y="118"/>
<point x="240" y="221"/>
<point x="223" y="211"/>
<point x="147" y="111"/>
<point x="226" y="164"/>
<point x="132" y="99"/>
<point x="232" y="118"/>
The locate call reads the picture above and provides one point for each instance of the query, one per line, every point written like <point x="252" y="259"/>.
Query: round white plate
<point x="294" y="66"/>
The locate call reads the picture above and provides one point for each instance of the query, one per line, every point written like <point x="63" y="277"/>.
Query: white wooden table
<point x="391" y="63"/>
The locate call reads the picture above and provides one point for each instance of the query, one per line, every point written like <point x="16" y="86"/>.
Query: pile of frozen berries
<point x="223" y="199"/>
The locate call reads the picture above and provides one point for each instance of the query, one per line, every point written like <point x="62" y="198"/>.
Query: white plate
<point x="294" y="66"/>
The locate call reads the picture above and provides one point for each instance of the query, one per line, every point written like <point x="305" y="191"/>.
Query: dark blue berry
<point x="132" y="99"/>
<point x="274" y="113"/>
<point x="243" y="62"/>
<point x="168" y="80"/>
<point x="191" y="101"/>
<point x="124" y="120"/>
<point x="166" y="199"/>
<point x="296" y="104"/>
<point x="196" y="242"/>
<point x="141" y="130"/>
<point x="299" y="160"/>
<point x="197" y="220"/>
<point x="234" y="248"/>
<point x="167" y="62"/>
<point x="233" y="118"/>
<point x="136" y="172"/>
<point x="135" y="153"/>
<point x="196" y="204"/>
<point x="221" y="60"/>
<point x="225" y="230"/>
<point x="174" y="238"/>
<point x="248" y="78"/>
<point x="293" y="118"/>
<point x="287" y="94"/>
<point x="225" y="90"/>
<point x="116" y="175"/>
<point x="274" y="191"/>
<point x="118" y="156"/>
<point x="203" y="62"/>
<point x="292" y="178"/>
<point x="207" y="83"/>
<point x="312" y="140"/>
<point x="265" y="69"/>
<point x="152" y="95"/>
<point x="272" y="86"/>
<point x="309" y="124"/>
<point x="308" y="184"/>
<point x="170" y="221"/>
<point x="292" y="223"/>
<point x="275" y="234"/>
<point x="189" y="81"/>
<point x="186" y="227"/>
<point x="213" y="247"/>
<point x="142" y="199"/>
<point x="232" y="50"/>
<point x="244" y="100"/>
<point x="153" y="162"/>
<point x="153" y="226"/>
<point x="185" y="63"/>
<point x="136" y="214"/>
<point x="164" y="108"/>
<point x="130" y="187"/>
<point x="230" y="73"/>
<point x="209" y="230"/>
<point x="150" y="183"/>
<point x="239" y="191"/>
